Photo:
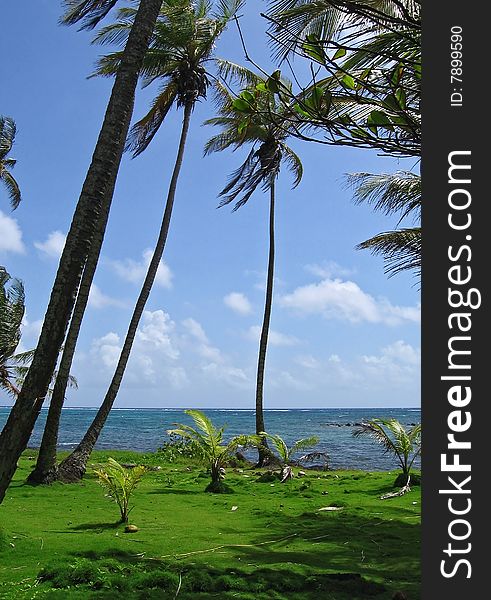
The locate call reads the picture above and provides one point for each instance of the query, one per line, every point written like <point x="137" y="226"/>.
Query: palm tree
<point x="11" y="314"/>
<point x="255" y="118"/>
<point x="206" y="441"/>
<point x="404" y="443"/>
<point x="381" y="46"/>
<point x="96" y="195"/>
<point x="286" y="453"/>
<point x="183" y="42"/>
<point x="393" y="193"/>
<point x="7" y="138"/>
<point x="14" y="365"/>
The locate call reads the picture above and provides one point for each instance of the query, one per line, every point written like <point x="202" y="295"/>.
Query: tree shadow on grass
<point x="175" y="491"/>
<point x="384" y="550"/>
<point x="135" y="577"/>
<point x="96" y="526"/>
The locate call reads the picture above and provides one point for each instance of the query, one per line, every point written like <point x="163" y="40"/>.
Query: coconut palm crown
<point x="182" y="44"/>
<point x="256" y="118"/>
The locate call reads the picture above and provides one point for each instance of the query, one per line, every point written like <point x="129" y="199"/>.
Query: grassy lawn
<point x="276" y="544"/>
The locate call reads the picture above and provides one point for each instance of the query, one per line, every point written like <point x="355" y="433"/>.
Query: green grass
<point x="64" y="541"/>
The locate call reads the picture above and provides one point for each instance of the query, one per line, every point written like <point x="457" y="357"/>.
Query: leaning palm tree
<point x="255" y="118"/>
<point x="404" y="444"/>
<point x="393" y="193"/>
<point x="95" y="198"/>
<point x="182" y="44"/>
<point x="206" y="443"/>
<point x="7" y="138"/>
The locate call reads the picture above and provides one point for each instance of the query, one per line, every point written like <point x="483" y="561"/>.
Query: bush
<point x="175" y="450"/>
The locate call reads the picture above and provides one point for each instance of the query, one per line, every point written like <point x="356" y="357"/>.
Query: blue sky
<point x="343" y="334"/>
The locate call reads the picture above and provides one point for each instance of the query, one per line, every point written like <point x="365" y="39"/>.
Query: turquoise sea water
<point x="145" y="429"/>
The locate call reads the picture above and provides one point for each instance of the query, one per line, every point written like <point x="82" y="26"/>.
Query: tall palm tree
<point x="96" y="195"/>
<point x="393" y="193"/>
<point x="182" y="44"/>
<point x="255" y="118"/>
<point x="7" y="138"/>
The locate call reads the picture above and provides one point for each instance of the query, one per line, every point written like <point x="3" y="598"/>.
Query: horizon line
<point x="224" y="408"/>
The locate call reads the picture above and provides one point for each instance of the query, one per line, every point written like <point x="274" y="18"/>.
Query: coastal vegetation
<point x="365" y="94"/>
<point x="325" y="534"/>
<point x="280" y="524"/>
<point x="403" y="443"/>
<point x="205" y="442"/>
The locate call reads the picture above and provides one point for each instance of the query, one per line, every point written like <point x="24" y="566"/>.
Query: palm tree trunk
<point x="74" y="466"/>
<point x="46" y="469"/>
<point x="263" y="343"/>
<point x="97" y="189"/>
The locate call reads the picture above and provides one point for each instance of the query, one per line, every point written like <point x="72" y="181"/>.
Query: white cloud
<point x="275" y="338"/>
<point x="135" y="271"/>
<point x="107" y="348"/>
<point x="284" y="379"/>
<point x="398" y="354"/>
<point x="99" y="300"/>
<point x="10" y="235"/>
<point x="215" y="365"/>
<point x="232" y="376"/>
<point x="53" y="245"/>
<point x="238" y="303"/>
<point x="203" y="348"/>
<point x="153" y="356"/>
<point x="195" y="329"/>
<point x="30" y="334"/>
<point x="345" y="300"/>
<point x="307" y="362"/>
<point x="328" y="270"/>
<point x="155" y="331"/>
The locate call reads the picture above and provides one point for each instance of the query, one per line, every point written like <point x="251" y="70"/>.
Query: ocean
<point x="144" y="429"/>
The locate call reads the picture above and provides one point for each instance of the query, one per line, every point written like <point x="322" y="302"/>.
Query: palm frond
<point x="7" y="137"/>
<point x="13" y="189"/>
<point x="294" y="164"/>
<point x="225" y="10"/>
<point x="389" y="193"/>
<point x="8" y="131"/>
<point x="303" y="444"/>
<point x="280" y="446"/>
<point x="116" y="33"/>
<point x="401" y="250"/>
<point x="203" y="422"/>
<point x="219" y="142"/>
<point x="143" y="132"/>
<point x="236" y="73"/>
<point x="23" y="358"/>
<point x="88" y="12"/>
<point x="375" y="429"/>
